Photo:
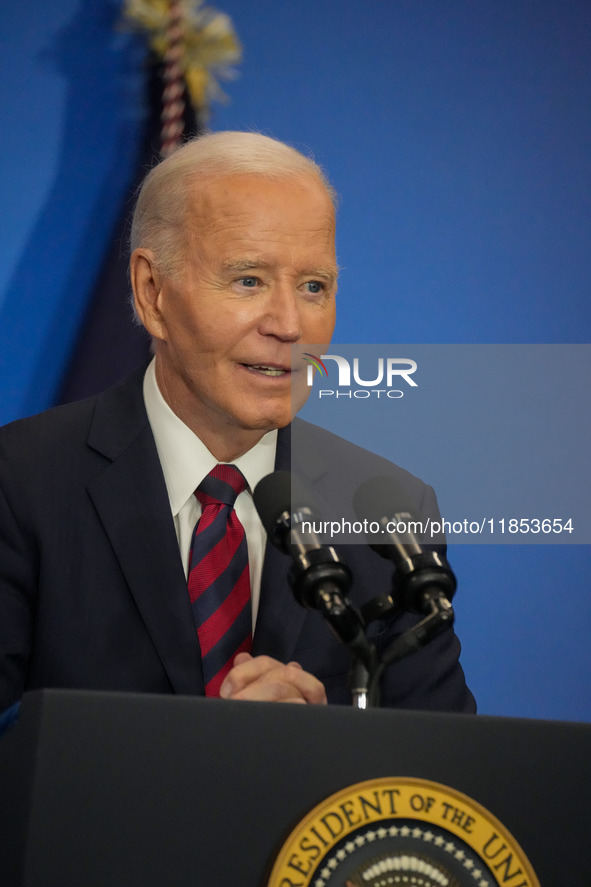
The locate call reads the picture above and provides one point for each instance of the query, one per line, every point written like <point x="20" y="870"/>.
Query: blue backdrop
<point x="457" y="135"/>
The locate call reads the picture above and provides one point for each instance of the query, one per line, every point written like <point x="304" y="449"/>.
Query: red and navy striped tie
<point x="219" y="581"/>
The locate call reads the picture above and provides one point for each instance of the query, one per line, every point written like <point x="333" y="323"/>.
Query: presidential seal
<point x="401" y="833"/>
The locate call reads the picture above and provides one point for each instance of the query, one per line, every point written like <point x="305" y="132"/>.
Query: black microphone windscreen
<point x="280" y="492"/>
<point x="272" y="496"/>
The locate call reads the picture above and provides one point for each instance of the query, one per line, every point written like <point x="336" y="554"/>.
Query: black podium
<point x="118" y="790"/>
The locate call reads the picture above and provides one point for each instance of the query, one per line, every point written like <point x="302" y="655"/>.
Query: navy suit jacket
<point x="92" y="589"/>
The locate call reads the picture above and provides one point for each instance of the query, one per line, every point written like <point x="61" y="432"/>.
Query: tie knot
<point x="223" y="484"/>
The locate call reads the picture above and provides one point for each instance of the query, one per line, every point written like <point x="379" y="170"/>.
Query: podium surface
<point x="111" y="790"/>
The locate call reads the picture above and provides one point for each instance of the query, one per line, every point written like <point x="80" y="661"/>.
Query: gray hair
<point x="162" y="204"/>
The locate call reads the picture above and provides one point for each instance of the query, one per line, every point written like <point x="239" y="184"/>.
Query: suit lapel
<point x="132" y="503"/>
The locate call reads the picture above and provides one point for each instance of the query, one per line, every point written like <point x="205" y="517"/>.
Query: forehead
<point x="251" y="206"/>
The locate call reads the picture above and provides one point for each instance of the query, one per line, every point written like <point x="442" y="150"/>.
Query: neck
<point x="226" y="450"/>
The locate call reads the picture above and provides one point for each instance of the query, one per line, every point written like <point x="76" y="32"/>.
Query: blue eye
<point x="314" y="286"/>
<point x="248" y="281"/>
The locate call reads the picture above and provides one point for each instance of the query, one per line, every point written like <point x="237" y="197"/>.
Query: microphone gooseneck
<point x="320" y="579"/>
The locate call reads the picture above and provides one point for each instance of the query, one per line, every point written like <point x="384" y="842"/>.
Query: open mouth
<point x="265" y="370"/>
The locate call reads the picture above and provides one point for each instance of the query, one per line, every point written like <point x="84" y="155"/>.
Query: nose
<point x="282" y="318"/>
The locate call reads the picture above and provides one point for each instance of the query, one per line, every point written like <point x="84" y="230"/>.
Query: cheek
<point x="319" y="326"/>
<point x="197" y="337"/>
<point x="221" y="327"/>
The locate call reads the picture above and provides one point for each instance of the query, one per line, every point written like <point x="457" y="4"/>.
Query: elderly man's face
<point x="261" y="277"/>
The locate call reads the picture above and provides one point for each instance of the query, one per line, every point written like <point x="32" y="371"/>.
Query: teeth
<point x="269" y="371"/>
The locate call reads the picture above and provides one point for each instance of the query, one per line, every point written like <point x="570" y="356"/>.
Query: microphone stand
<point x="320" y="581"/>
<point x="363" y="684"/>
<point x="439" y="617"/>
<point x="425" y="589"/>
<point x="423" y="581"/>
<point x="321" y="584"/>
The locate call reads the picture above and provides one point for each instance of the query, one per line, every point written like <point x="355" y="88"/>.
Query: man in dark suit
<point x="233" y="262"/>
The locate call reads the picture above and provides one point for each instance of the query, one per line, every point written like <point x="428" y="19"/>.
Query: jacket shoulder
<point x="320" y="451"/>
<point x="105" y="421"/>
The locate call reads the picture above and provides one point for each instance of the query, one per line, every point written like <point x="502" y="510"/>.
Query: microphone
<point x="423" y="575"/>
<point x="319" y="578"/>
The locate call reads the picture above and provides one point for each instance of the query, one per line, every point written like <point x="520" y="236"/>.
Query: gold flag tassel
<point x="198" y="47"/>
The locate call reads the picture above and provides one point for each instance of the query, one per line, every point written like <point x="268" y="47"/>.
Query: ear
<point x="146" y="282"/>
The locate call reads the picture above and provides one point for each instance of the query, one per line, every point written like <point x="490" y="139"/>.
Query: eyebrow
<point x="240" y="265"/>
<point x="244" y="265"/>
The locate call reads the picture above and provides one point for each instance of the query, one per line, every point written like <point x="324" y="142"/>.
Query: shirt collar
<point x="184" y="457"/>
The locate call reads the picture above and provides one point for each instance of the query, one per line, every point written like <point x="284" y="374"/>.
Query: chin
<point x="269" y="421"/>
<point x="268" y="415"/>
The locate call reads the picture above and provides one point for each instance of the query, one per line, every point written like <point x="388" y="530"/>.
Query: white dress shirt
<point x="186" y="461"/>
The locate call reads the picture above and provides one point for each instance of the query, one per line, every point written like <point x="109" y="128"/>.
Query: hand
<point x="263" y="679"/>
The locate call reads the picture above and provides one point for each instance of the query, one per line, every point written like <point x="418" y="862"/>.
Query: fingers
<point x="263" y="679"/>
